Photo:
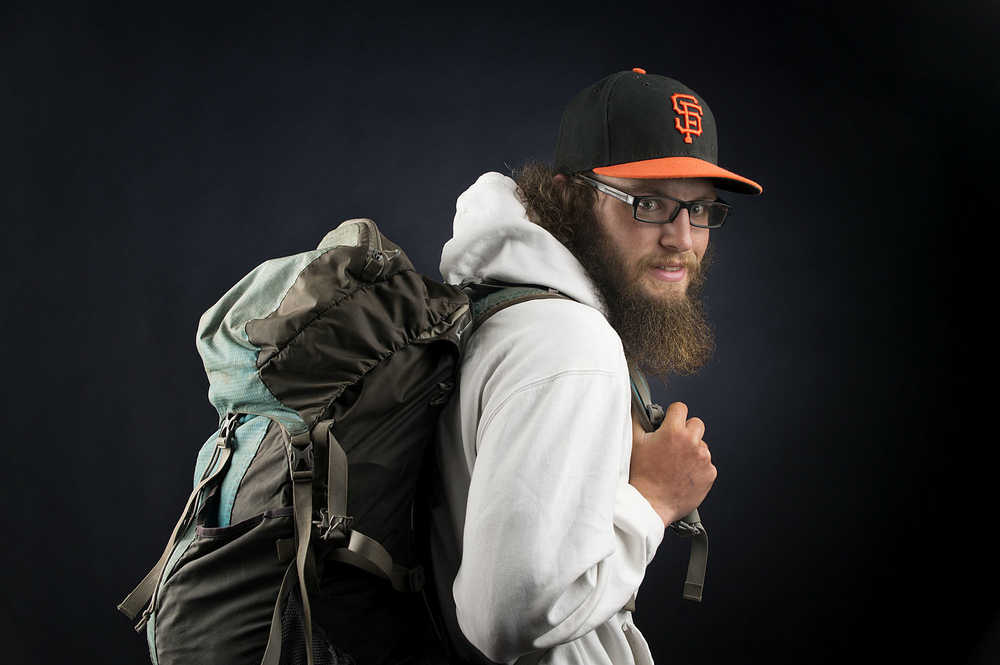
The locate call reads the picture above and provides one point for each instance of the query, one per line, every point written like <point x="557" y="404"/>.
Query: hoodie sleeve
<point x="555" y="540"/>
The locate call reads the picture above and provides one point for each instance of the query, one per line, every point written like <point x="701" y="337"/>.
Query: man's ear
<point x="560" y="178"/>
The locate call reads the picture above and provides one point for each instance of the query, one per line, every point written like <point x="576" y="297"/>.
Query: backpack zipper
<point x="378" y="257"/>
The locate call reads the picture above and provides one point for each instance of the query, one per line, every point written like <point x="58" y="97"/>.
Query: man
<point x="554" y="502"/>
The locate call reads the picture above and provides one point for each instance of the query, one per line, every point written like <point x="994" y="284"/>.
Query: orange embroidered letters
<point x="687" y="107"/>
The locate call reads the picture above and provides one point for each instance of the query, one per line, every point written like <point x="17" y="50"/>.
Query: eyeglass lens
<point x="702" y="213"/>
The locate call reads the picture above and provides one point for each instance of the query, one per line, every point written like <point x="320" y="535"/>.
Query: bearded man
<point x="554" y="501"/>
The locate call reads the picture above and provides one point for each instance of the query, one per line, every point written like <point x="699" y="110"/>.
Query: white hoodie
<point x="534" y="451"/>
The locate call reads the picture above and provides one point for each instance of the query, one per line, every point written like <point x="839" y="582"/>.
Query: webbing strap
<point x="690" y="525"/>
<point x="272" y="653"/>
<point x="139" y="598"/>
<point x="336" y="478"/>
<point x="334" y="523"/>
<point x="368" y="554"/>
<point x="302" y="505"/>
<point x="695" y="580"/>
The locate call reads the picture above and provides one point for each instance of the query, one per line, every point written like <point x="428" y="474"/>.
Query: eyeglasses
<point x="664" y="209"/>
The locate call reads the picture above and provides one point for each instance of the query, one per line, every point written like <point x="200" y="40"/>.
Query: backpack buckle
<point x="685" y="529"/>
<point x="333" y="528"/>
<point x="228" y="430"/>
<point x="300" y="458"/>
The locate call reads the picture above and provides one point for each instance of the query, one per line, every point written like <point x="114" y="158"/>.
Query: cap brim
<point x="682" y="167"/>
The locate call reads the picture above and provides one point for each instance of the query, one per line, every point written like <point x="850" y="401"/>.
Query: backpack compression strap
<point x="300" y="469"/>
<point x="142" y="597"/>
<point x="359" y="550"/>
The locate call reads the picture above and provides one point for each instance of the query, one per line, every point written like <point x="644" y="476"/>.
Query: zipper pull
<point x="376" y="263"/>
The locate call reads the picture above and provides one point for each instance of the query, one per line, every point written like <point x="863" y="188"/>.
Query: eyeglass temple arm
<point x="600" y="186"/>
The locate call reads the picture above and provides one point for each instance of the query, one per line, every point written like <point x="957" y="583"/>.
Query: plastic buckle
<point x="300" y="462"/>
<point x="656" y="414"/>
<point x="685" y="529"/>
<point x="228" y="430"/>
<point x="336" y="529"/>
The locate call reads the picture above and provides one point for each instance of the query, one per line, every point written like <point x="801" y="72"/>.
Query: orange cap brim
<point x="682" y="167"/>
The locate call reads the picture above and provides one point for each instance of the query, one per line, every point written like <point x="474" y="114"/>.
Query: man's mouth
<point x="671" y="272"/>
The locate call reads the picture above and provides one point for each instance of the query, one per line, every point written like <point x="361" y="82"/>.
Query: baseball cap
<point x="637" y="125"/>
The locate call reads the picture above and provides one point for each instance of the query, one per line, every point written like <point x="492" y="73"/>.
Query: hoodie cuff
<point x="635" y="515"/>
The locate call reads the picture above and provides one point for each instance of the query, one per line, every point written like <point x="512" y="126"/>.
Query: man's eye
<point x="698" y="209"/>
<point x="649" y="205"/>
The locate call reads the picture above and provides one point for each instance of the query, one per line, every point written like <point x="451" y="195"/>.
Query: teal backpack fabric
<point x="302" y="540"/>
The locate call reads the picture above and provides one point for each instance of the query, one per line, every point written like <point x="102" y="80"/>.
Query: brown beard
<point x="669" y="335"/>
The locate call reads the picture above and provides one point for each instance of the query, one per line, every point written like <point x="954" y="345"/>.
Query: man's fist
<point x="672" y="466"/>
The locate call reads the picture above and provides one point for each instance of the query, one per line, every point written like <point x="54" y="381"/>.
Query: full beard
<point x="661" y="334"/>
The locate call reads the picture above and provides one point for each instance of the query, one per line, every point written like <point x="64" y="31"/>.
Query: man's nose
<point x="676" y="235"/>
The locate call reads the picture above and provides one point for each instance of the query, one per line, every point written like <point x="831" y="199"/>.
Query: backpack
<point x="302" y="539"/>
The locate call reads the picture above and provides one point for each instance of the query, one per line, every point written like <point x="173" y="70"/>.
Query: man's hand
<point x="672" y="466"/>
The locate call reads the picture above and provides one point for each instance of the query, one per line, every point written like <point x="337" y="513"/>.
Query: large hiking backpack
<point x="328" y="370"/>
<point x="303" y="539"/>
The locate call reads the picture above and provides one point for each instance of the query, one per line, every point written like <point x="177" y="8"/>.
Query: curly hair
<point x="557" y="206"/>
<point x="662" y="336"/>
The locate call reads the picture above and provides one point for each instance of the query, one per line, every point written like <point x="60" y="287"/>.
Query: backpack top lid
<point x="292" y="335"/>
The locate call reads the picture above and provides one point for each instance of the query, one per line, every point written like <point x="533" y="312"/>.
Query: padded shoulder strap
<point x="488" y="298"/>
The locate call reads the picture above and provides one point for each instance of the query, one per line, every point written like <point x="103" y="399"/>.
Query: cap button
<point x="638" y="70"/>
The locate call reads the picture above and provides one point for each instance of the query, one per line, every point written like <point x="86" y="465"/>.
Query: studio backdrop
<point x="153" y="157"/>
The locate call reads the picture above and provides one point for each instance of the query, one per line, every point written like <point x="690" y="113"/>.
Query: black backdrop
<point x="151" y="159"/>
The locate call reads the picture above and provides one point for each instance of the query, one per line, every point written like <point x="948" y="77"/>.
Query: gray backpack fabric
<point x="301" y="540"/>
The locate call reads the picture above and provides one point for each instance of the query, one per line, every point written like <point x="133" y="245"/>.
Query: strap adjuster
<point x="228" y="430"/>
<point x="686" y="529"/>
<point x="300" y="461"/>
<point x="141" y="624"/>
<point x="334" y="529"/>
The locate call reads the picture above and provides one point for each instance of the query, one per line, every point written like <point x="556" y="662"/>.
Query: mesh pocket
<point x="293" y="642"/>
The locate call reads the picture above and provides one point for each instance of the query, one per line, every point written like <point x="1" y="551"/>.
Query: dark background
<point x="151" y="159"/>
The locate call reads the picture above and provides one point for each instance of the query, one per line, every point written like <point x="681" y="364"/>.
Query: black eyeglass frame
<point x="634" y="201"/>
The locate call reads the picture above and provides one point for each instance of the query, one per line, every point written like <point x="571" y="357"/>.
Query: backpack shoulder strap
<point x="489" y="297"/>
<point x="650" y="417"/>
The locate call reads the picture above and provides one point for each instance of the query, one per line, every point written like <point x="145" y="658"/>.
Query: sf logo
<point x="688" y="108"/>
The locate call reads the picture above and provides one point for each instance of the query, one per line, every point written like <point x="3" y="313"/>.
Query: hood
<point x="493" y="238"/>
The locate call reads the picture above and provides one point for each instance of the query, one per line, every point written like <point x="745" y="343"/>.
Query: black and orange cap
<point x="637" y="125"/>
